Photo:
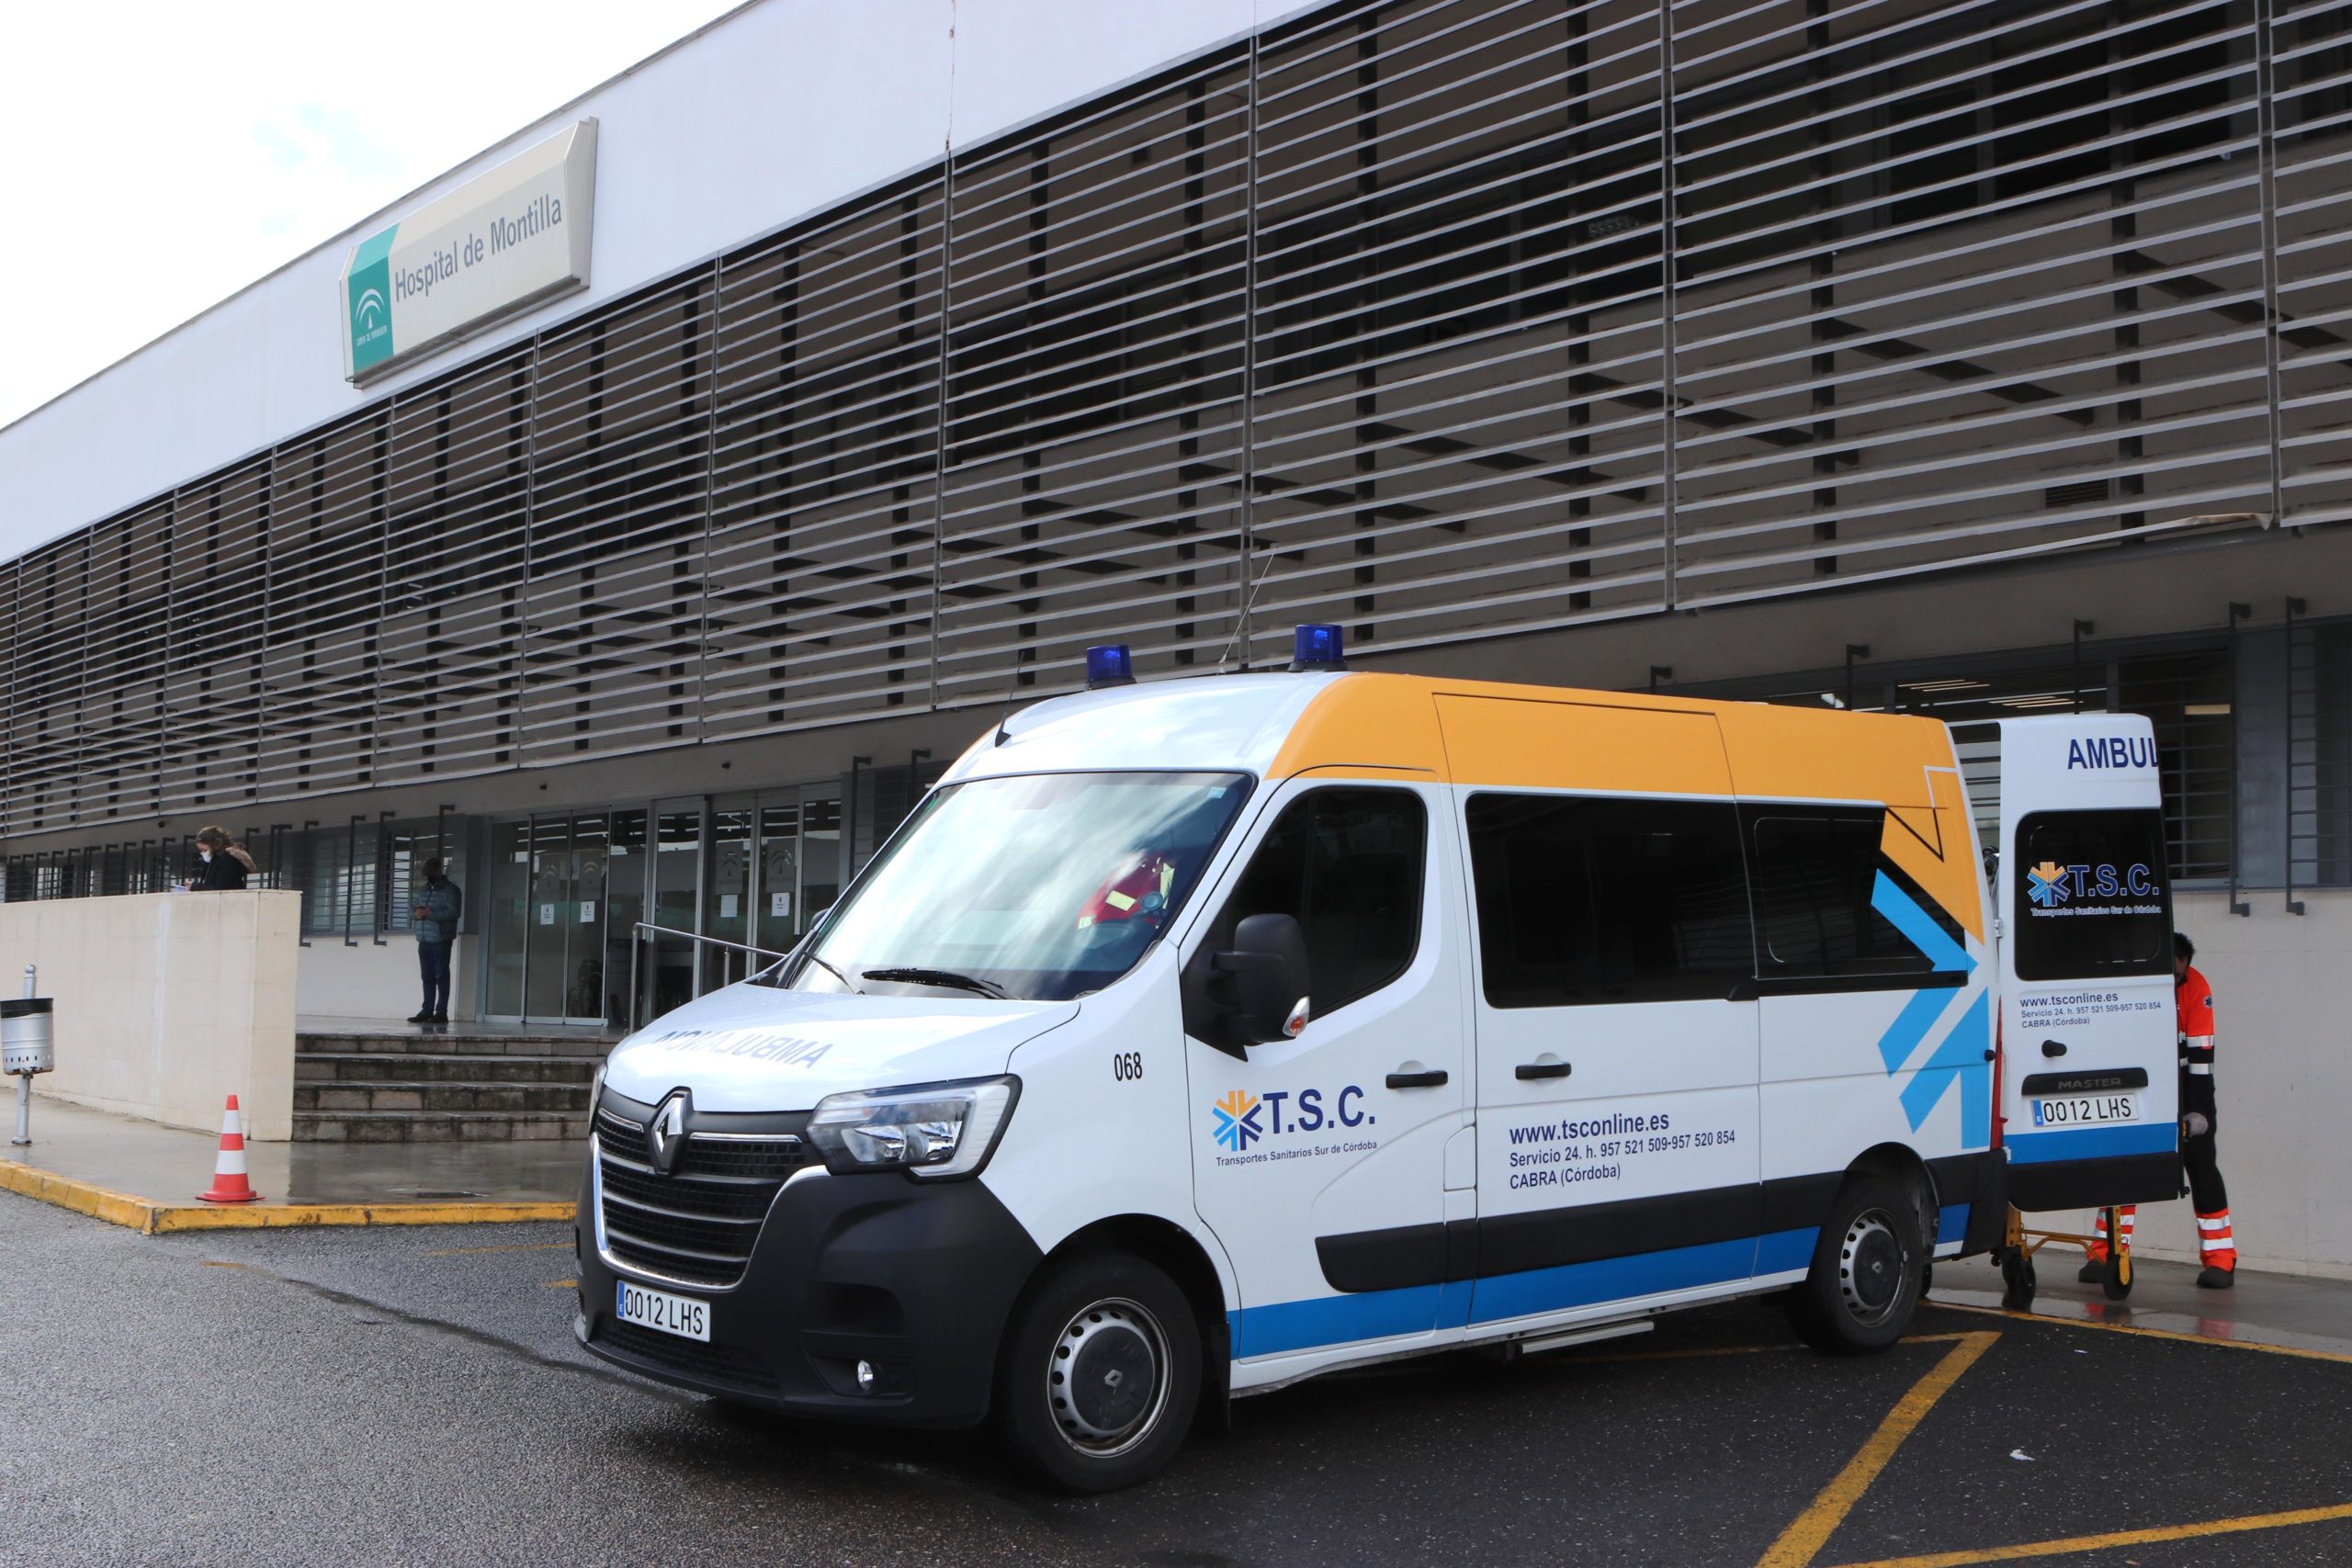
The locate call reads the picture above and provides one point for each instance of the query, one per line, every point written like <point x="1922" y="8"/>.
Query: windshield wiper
<point x="836" y="974"/>
<point x="948" y="978"/>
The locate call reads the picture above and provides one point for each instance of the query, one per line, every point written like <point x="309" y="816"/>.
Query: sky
<point x="155" y="158"/>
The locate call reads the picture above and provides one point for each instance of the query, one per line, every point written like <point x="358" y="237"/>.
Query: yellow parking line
<point x="563" y="1284"/>
<point x="2118" y="1537"/>
<point x="2146" y="1333"/>
<point x="1803" y="1539"/>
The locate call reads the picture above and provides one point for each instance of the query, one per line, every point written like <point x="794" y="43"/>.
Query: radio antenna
<point x="1243" y="618"/>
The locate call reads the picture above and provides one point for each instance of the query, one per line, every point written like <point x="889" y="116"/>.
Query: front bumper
<point x="916" y="1277"/>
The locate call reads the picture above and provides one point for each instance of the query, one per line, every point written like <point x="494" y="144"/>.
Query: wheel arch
<point x="1904" y="1164"/>
<point x="1176" y="1251"/>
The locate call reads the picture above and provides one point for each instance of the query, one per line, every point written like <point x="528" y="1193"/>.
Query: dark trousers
<point x="432" y="966"/>
<point x="2205" y="1187"/>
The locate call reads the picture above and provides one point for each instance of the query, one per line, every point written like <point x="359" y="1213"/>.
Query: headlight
<point x="928" y="1130"/>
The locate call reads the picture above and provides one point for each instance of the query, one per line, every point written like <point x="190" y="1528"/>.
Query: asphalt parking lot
<point x="408" y="1396"/>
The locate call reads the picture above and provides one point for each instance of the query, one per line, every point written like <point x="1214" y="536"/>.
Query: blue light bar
<point x="1108" y="666"/>
<point x="1316" y="646"/>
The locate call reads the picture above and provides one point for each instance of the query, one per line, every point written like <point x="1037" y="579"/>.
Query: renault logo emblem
<point x="665" y="1135"/>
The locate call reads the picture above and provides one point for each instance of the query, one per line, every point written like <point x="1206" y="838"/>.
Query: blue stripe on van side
<point x="1280" y="1327"/>
<point x="1784" y="1250"/>
<point x="1334" y="1320"/>
<point x="2092" y="1143"/>
<point x="1612" y="1279"/>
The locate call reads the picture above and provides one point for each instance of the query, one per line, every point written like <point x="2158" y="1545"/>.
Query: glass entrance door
<point x="548" y="918"/>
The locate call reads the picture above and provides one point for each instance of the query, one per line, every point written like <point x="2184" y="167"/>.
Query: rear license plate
<point x="680" y="1315"/>
<point x="2086" y="1111"/>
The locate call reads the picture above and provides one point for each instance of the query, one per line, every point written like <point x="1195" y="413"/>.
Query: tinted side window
<point x="1347" y="864"/>
<point x="1603" y="900"/>
<point x="2091" y="895"/>
<point x="1816" y="875"/>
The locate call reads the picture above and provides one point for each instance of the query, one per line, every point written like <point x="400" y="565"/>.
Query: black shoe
<point x="419" y="1018"/>
<point x="2091" y="1273"/>
<point x="438" y="1018"/>
<point x="2217" y="1279"/>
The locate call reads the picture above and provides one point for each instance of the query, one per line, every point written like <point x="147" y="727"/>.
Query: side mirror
<point x="1251" y="993"/>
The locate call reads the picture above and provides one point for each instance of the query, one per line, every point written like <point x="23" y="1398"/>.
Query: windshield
<point x="1043" y="887"/>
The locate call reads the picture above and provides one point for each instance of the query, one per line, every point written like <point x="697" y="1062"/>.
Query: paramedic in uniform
<point x="2193" y="1007"/>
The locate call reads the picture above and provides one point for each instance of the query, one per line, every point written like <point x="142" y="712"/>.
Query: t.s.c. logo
<point x="2050" y="884"/>
<point x="1240" y="1118"/>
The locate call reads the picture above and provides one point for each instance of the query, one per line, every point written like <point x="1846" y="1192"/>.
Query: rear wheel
<point x="1101" y="1372"/>
<point x="1867" y="1269"/>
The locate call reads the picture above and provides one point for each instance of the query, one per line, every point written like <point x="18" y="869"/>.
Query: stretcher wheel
<point x="2017" y="1280"/>
<point x="2115" y="1279"/>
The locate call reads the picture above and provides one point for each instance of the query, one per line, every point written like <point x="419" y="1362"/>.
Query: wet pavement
<point x="415" y="1395"/>
<point x="171" y="1165"/>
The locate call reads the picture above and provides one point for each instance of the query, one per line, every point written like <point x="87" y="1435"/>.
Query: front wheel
<point x="1101" y="1372"/>
<point x="1866" y="1273"/>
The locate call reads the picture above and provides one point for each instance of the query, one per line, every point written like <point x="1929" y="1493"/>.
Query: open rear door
<point x="2090" y="1089"/>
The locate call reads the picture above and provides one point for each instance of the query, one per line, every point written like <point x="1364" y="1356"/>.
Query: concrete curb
<point x="150" y="1218"/>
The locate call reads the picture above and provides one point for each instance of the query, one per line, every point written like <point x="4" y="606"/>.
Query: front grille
<point x="711" y="1363"/>
<point x="699" y="1224"/>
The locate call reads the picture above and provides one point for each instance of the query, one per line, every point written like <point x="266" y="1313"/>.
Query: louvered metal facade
<point x="1443" y="320"/>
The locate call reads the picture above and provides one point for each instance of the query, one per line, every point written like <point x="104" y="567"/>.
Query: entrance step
<point x="452" y="1085"/>
<point x="384" y="1067"/>
<point x="434" y="1127"/>
<point x="435" y="1098"/>
<point x="454" y="1039"/>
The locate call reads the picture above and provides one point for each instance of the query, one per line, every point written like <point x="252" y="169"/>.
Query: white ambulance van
<point x="1196" y="1037"/>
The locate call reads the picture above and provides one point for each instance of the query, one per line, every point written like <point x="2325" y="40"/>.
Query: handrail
<point x="636" y="945"/>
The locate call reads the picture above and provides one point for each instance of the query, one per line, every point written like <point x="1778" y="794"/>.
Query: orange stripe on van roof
<point x="1492" y="732"/>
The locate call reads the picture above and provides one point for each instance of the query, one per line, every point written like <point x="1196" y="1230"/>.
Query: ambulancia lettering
<point x="2112" y="751"/>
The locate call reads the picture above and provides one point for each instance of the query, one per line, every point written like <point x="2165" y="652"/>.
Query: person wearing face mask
<point x="222" y="865"/>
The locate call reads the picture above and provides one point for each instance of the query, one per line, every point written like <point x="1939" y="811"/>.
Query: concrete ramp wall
<point x="167" y="1003"/>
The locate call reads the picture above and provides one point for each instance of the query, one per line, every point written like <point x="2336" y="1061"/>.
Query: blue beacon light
<point x="1109" y="666"/>
<point x="1317" y="646"/>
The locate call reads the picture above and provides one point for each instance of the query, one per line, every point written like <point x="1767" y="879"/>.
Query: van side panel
<point x="1873" y="969"/>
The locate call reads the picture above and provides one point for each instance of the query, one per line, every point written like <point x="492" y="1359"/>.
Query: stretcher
<point x="2019" y="1245"/>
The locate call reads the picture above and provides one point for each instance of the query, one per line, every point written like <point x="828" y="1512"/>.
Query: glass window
<point x="1346" y="864"/>
<point x="1588" y="900"/>
<point x="2092" y="899"/>
<point x="1816" y="878"/>
<point x="1044" y="885"/>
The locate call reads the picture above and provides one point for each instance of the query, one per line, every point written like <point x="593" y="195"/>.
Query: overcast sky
<point x="155" y="158"/>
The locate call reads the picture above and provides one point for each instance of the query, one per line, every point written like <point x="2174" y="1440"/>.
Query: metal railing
<point x="637" y="934"/>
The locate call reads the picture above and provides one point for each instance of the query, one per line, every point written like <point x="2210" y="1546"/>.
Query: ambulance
<point x="1197" y="1036"/>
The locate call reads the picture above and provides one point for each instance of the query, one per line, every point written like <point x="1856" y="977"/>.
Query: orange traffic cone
<point x="229" y="1183"/>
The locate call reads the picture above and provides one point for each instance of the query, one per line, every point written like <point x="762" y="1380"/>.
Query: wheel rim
<point x="1872" y="1268"/>
<point x="1106" y="1381"/>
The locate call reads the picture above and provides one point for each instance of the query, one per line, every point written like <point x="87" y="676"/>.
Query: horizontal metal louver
<point x="1441" y="320"/>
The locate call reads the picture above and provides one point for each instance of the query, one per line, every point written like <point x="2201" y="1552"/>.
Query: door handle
<point x="2053" y="1048"/>
<point x="1428" y="1079"/>
<point x="1540" y="1070"/>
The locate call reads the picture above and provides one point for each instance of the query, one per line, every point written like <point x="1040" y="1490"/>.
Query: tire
<point x="1867" y="1267"/>
<point x="2115" y="1280"/>
<point x="2017" y="1282"/>
<point x="1101" y="1372"/>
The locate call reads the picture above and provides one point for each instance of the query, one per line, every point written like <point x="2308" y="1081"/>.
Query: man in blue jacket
<point x="439" y="903"/>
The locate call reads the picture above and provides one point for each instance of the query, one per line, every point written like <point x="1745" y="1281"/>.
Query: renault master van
<point x="1198" y="1036"/>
